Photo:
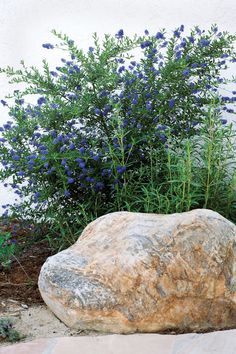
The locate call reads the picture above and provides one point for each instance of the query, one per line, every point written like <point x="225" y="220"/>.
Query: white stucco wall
<point x="26" y="24"/>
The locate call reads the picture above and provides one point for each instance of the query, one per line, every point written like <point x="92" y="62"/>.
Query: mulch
<point x="19" y="282"/>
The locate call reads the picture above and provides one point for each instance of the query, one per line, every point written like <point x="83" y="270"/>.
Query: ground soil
<point x="19" y="282"/>
<point x="20" y="299"/>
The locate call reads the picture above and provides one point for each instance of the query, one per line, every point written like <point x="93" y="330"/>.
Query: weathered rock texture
<point x="133" y="272"/>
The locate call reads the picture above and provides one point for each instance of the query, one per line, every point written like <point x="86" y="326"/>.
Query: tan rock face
<point x="135" y="272"/>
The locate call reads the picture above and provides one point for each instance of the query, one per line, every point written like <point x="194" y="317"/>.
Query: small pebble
<point x="24" y="306"/>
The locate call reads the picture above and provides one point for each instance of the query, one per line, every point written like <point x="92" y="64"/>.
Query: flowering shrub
<point x="114" y="126"/>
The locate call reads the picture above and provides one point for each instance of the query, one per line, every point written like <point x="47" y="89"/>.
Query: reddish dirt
<point x="20" y="281"/>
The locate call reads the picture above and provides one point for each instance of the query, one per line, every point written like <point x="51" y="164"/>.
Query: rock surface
<point x="135" y="272"/>
<point x="223" y="342"/>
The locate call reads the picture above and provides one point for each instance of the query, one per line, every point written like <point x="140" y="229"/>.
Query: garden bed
<point x="19" y="282"/>
<point x="20" y="300"/>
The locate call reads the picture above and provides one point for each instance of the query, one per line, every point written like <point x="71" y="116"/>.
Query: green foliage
<point x="7" y="332"/>
<point x="114" y="128"/>
<point x="7" y="249"/>
<point x="198" y="173"/>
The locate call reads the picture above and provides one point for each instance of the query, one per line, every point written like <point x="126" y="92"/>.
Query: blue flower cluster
<point x="48" y="45"/>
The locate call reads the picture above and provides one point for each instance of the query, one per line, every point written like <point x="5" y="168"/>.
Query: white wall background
<point x="26" y="24"/>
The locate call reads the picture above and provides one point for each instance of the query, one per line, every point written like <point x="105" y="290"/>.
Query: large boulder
<point x="135" y="272"/>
